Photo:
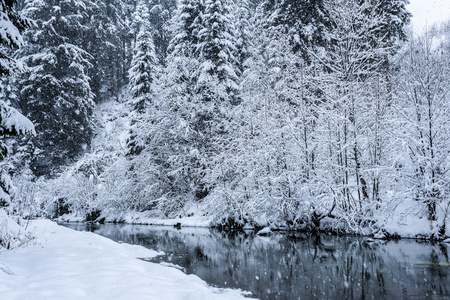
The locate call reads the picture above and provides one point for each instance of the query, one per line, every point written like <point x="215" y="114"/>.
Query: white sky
<point x="427" y="12"/>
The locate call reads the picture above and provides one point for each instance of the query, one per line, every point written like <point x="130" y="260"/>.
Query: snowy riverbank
<point x="61" y="263"/>
<point x="412" y="225"/>
<point x="143" y="218"/>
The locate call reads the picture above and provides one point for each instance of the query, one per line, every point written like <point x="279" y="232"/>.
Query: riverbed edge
<point x="388" y="232"/>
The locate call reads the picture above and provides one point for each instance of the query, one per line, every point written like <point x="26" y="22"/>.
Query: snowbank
<point x="66" y="264"/>
<point x="409" y="220"/>
<point x="12" y="234"/>
<point x="407" y="225"/>
<point x="265" y="231"/>
<point x="143" y="218"/>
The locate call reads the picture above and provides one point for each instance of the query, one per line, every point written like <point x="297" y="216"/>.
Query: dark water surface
<point x="297" y="266"/>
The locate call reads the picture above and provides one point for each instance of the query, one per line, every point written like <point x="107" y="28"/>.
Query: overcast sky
<point x="428" y="12"/>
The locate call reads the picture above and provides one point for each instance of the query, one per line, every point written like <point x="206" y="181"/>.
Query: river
<point x="296" y="266"/>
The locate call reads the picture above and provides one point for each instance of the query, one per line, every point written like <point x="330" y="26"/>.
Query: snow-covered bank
<point x="64" y="264"/>
<point x="104" y="186"/>
<point x="143" y="218"/>
<point x="412" y="225"/>
<point x="12" y="234"/>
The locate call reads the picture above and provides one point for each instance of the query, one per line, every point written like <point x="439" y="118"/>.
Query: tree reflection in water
<point x="297" y="266"/>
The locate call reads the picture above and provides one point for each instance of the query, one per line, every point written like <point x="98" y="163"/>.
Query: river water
<point x="296" y="266"/>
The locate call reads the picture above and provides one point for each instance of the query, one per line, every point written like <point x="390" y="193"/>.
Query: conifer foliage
<point x="217" y="52"/>
<point x="56" y="88"/>
<point x="293" y="113"/>
<point x="143" y="75"/>
<point x="306" y="21"/>
<point x="143" y="71"/>
<point x="106" y="38"/>
<point x="12" y="123"/>
<point x="204" y="42"/>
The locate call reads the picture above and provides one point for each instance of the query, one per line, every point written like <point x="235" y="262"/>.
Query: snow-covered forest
<point x="308" y="115"/>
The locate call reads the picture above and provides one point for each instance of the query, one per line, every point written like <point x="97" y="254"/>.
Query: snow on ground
<point x="193" y="217"/>
<point x="12" y="235"/>
<point x="143" y="218"/>
<point x="113" y="125"/>
<point x="140" y="218"/>
<point x="65" y="264"/>
<point x="409" y="220"/>
<point x="265" y="231"/>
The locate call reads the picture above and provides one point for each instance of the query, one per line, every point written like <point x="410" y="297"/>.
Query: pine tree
<point x="179" y="84"/>
<point x="243" y="12"/>
<point x="160" y="14"/>
<point x="107" y="39"/>
<point x="162" y="175"/>
<point x="185" y="25"/>
<point x="305" y="21"/>
<point x="143" y="74"/>
<point x="182" y="62"/>
<point x="217" y="78"/>
<point x="394" y="19"/>
<point x="144" y="66"/>
<point x="12" y="123"/>
<point x="12" y="27"/>
<point x="56" y="88"/>
<point x="199" y="84"/>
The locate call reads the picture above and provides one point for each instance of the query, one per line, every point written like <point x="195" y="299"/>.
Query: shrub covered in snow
<point x="12" y="233"/>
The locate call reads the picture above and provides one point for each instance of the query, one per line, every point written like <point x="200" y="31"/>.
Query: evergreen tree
<point x="143" y="74"/>
<point x="394" y="19"/>
<point x="162" y="174"/>
<point x="107" y="40"/>
<point x="216" y="90"/>
<point x="56" y="88"/>
<point x="243" y="12"/>
<point x="199" y="84"/>
<point x="11" y="30"/>
<point x="180" y="81"/>
<point x="217" y="53"/>
<point x="185" y="26"/>
<point x="12" y="123"/>
<point x="160" y="14"/>
<point x="305" y="21"/>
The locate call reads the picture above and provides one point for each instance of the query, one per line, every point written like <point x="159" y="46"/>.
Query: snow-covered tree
<point x="391" y="28"/>
<point x="350" y="63"/>
<point x="162" y="173"/>
<point x="160" y="14"/>
<point x="423" y="103"/>
<point x="12" y="123"/>
<point x="12" y="27"/>
<point x="144" y="66"/>
<point x="217" y="76"/>
<point x="143" y="75"/>
<point x="106" y="38"/>
<point x="305" y="21"/>
<point x="180" y="80"/>
<point x="200" y="84"/>
<point x="215" y="89"/>
<point x="56" y="89"/>
<point x="268" y="167"/>
<point x="242" y="12"/>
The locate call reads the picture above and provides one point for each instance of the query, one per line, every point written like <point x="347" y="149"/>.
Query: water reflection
<point x="297" y="266"/>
